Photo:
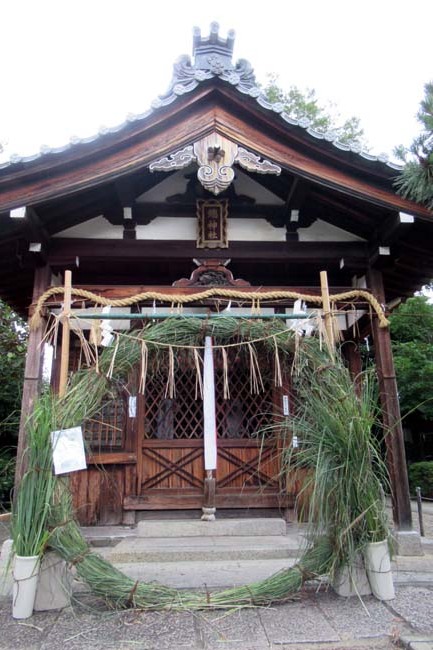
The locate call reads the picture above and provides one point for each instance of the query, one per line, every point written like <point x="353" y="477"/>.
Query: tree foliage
<point x="412" y="333"/>
<point x="305" y="104"/>
<point x="13" y="337"/>
<point x="416" y="180"/>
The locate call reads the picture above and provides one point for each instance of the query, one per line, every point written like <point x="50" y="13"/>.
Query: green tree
<point x="13" y="337"/>
<point x="412" y="334"/>
<point x="305" y="104"/>
<point x="416" y="180"/>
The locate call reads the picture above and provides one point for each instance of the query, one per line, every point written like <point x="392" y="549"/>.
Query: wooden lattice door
<point x="170" y="454"/>
<point x="247" y="454"/>
<point x="171" y="467"/>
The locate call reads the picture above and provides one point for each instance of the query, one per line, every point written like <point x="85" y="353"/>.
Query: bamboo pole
<point x="329" y="328"/>
<point x="66" y="334"/>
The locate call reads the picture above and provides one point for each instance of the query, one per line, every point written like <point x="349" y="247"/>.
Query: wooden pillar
<point x="329" y="326"/>
<point x="351" y="353"/>
<point x="395" y="452"/>
<point x="209" y="496"/>
<point x="33" y="369"/>
<point x="66" y="335"/>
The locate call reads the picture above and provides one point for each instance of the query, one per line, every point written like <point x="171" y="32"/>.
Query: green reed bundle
<point x="121" y="592"/>
<point x="333" y="420"/>
<point x="31" y="506"/>
<point x="337" y="424"/>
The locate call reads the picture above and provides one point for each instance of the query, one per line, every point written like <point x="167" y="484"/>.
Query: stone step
<point x="206" y="549"/>
<point x="220" y="574"/>
<point x="101" y="536"/>
<point x="218" y="528"/>
<point x="201" y="575"/>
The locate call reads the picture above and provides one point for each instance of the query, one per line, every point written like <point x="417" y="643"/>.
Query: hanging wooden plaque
<point x="212" y="216"/>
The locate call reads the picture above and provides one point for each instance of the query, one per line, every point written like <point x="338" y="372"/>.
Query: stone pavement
<point x="314" y="619"/>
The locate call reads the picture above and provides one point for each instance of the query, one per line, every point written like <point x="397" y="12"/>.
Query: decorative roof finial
<point x="212" y="58"/>
<point x="213" y="53"/>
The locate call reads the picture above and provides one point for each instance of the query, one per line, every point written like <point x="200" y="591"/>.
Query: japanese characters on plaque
<point x="212" y="217"/>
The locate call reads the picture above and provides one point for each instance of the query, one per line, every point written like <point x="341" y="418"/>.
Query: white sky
<point x="69" y="67"/>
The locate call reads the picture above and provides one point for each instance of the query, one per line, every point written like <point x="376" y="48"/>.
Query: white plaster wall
<point x="254" y="230"/>
<point x="185" y="228"/>
<point x="96" y="228"/>
<point x="323" y="231"/>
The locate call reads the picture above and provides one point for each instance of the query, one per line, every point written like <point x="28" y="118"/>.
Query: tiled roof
<point x="212" y="58"/>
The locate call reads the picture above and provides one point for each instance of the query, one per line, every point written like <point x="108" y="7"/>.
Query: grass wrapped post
<point x="31" y="506"/>
<point x="339" y="430"/>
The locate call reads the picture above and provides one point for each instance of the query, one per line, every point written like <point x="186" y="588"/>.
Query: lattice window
<point x="241" y="416"/>
<point x="105" y="430"/>
<point x="178" y="418"/>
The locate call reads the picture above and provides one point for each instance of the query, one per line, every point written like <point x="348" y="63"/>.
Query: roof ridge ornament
<point x="187" y="76"/>
<point x="213" y="52"/>
<point x="212" y="58"/>
<point x="215" y="156"/>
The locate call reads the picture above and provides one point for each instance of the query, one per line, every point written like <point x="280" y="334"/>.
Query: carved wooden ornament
<point x="215" y="156"/>
<point x="177" y="160"/>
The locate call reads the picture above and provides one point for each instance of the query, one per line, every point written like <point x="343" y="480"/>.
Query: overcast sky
<point x="68" y="68"/>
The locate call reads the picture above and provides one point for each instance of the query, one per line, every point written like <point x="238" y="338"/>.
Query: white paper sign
<point x="106" y="329"/>
<point x="132" y="406"/>
<point x="286" y="408"/>
<point x="68" y="450"/>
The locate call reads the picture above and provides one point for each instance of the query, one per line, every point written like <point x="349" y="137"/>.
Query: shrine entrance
<point x="170" y="447"/>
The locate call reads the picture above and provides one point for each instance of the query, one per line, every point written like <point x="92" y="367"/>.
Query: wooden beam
<point x="380" y="257"/>
<point x="64" y="251"/>
<point x="395" y="227"/>
<point x="352" y="354"/>
<point x="341" y="212"/>
<point x="36" y="228"/>
<point x="32" y="372"/>
<point x="395" y="452"/>
<point x="34" y="233"/>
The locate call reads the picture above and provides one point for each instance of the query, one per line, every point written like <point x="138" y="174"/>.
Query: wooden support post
<point x="351" y="353"/>
<point x="329" y="328"/>
<point x="33" y="370"/>
<point x="66" y="334"/>
<point x="209" y="496"/>
<point x="395" y="452"/>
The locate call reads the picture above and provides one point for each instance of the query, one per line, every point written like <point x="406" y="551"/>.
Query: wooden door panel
<point x="170" y="442"/>
<point x="171" y="466"/>
<point x="241" y="467"/>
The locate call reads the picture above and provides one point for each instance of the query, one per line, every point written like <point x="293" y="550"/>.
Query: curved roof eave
<point x="350" y="159"/>
<point x="182" y="87"/>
